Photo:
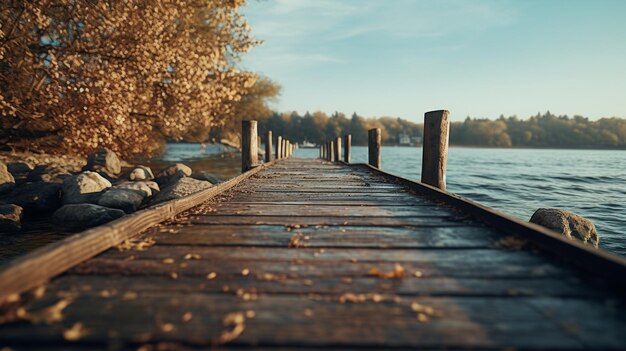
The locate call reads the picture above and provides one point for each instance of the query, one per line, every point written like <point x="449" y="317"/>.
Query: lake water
<point x="591" y="183"/>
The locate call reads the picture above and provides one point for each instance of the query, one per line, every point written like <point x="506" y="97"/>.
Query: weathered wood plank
<point x="332" y="211"/>
<point x="286" y="285"/>
<point x="310" y="267"/>
<point x="326" y="237"/>
<point x="462" y="322"/>
<point x="426" y="221"/>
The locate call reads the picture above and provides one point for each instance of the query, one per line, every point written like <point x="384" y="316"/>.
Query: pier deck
<point x="308" y="254"/>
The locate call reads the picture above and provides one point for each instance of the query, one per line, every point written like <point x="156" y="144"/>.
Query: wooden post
<point x="283" y="149"/>
<point x="435" y="148"/>
<point x="249" y="150"/>
<point x="347" y="141"/>
<point x="332" y="151"/>
<point x="288" y="148"/>
<point x="338" y="149"/>
<point x="374" y="140"/>
<point x="321" y="151"/>
<point x="326" y="148"/>
<point x="268" y="146"/>
<point x="279" y="147"/>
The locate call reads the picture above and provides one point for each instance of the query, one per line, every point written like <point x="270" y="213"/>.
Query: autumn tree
<point x="76" y="75"/>
<point x="252" y="105"/>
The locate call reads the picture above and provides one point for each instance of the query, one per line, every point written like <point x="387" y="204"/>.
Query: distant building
<point x="404" y="139"/>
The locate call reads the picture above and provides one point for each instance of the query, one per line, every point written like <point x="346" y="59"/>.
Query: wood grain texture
<point x="435" y="148"/>
<point x="268" y="146"/>
<point x="314" y="254"/>
<point x="374" y="139"/>
<point x="249" y="145"/>
<point x="347" y="141"/>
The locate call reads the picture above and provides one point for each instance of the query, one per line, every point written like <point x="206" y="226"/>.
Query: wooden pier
<point x="303" y="254"/>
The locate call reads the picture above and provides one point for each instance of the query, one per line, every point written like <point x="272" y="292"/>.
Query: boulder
<point x="141" y="173"/>
<point x="172" y="174"/>
<point x="10" y="218"/>
<point x="567" y="223"/>
<point x="76" y="217"/>
<point x="7" y="182"/>
<point x="185" y="186"/>
<point x="20" y="171"/>
<point x="206" y="176"/>
<point x="146" y="187"/>
<point x="35" y="198"/>
<point x="175" y="168"/>
<point x="84" y="188"/>
<point x="127" y="200"/>
<point x="104" y="160"/>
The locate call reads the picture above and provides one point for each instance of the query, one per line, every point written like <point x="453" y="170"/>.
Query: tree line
<point x="542" y="130"/>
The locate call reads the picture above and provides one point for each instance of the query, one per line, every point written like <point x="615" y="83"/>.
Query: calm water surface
<point x="591" y="183"/>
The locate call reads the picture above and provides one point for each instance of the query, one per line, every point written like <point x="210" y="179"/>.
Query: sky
<point x="477" y="58"/>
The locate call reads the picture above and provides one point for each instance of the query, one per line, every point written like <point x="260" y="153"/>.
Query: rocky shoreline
<point x="71" y="194"/>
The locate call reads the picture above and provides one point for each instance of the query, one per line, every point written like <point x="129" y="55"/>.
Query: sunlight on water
<point x="591" y="183"/>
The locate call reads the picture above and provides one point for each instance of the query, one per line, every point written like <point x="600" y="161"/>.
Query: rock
<point x="202" y="175"/>
<point x="10" y="218"/>
<point x="35" y="197"/>
<point x="7" y="182"/>
<point x="172" y="175"/>
<point x="141" y="173"/>
<point x="166" y="181"/>
<point x="127" y="200"/>
<point x="81" y="216"/>
<point x="20" y="171"/>
<point x="83" y="188"/>
<point x="49" y="174"/>
<point x="104" y="160"/>
<point x="567" y="223"/>
<point x="146" y="187"/>
<point x="185" y="186"/>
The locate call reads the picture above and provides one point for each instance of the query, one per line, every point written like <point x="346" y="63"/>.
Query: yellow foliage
<point x="81" y="75"/>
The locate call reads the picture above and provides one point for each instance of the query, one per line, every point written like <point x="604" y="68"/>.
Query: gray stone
<point x="146" y="187"/>
<point x="567" y="223"/>
<point x="167" y="180"/>
<point x="20" y="171"/>
<point x="174" y="169"/>
<point x="104" y="160"/>
<point x="10" y="218"/>
<point x="203" y="175"/>
<point x="127" y="200"/>
<point x="7" y="182"/>
<point x="141" y="173"/>
<point x="172" y="174"/>
<point x="184" y="187"/>
<point x="83" y="188"/>
<point x="35" y="198"/>
<point x="81" y="216"/>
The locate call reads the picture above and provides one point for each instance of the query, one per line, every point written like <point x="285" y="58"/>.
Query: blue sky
<point x="475" y="58"/>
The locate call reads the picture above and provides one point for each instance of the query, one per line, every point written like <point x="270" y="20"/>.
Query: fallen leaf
<point x="76" y="332"/>
<point x="235" y="321"/>
<point x="398" y="272"/>
<point x="187" y="317"/>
